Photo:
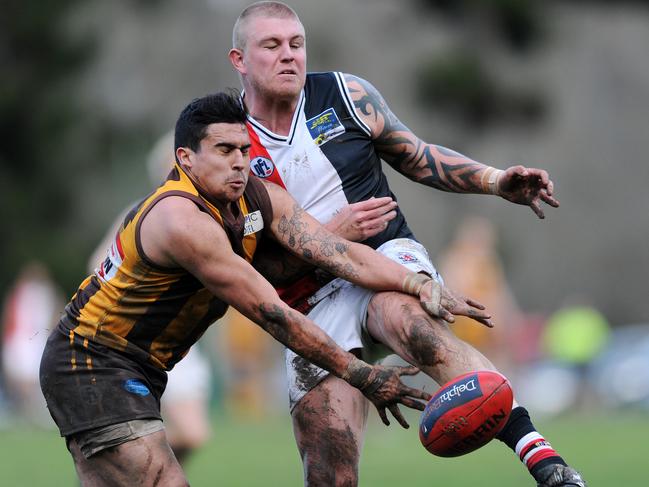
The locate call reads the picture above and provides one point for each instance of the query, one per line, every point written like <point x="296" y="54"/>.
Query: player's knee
<point x="427" y="341"/>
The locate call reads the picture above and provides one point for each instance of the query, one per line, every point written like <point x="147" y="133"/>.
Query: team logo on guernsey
<point x="108" y="268"/>
<point x="253" y="223"/>
<point x="407" y="257"/>
<point x="262" y="167"/>
<point x="325" y="126"/>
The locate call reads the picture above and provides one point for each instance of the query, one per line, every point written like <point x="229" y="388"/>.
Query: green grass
<point x="611" y="451"/>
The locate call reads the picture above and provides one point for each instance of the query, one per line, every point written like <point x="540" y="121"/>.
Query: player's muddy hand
<point x="382" y="385"/>
<point x="527" y="186"/>
<point x="442" y="302"/>
<point x="362" y="220"/>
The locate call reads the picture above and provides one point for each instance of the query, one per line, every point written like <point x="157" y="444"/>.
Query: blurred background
<point x="88" y="88"/>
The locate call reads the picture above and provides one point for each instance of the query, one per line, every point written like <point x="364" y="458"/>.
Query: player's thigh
<point x="145" y="461"/>
<point x="399" y="322"/>
<point x="329" y="423"/>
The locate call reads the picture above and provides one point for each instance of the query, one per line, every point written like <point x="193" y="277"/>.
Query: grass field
<point x="611" y="451"/>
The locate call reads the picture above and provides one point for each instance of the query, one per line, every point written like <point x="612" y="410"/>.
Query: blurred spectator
<point x="252" y="362"/>
<point x="471" y="266"/>
<point x="574" y="335"/>
<point x="31" y="309"/>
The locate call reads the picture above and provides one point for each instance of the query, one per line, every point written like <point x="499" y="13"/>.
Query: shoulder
<point x="356" y="84"/>
<point x="175" y="230"/>
<point x="175" y="218"/>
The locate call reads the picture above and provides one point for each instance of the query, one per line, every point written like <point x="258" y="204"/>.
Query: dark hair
<point x="222" y="107"/>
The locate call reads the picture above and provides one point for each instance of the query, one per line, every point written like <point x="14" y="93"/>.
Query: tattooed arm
<point x="439" y="167"/>
<point x="175" y="233"/>
<point x="303" y="235"/>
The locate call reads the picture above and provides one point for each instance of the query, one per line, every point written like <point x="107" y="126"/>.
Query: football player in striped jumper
<point x="323" y="136"/>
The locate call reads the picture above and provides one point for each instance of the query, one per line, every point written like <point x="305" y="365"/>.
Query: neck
<point x="274" y="113"/>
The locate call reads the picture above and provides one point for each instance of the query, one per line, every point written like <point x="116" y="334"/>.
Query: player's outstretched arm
<point x="176" y="234"/>
<point x="300" y="233"/>
<point x="439" y="167"/>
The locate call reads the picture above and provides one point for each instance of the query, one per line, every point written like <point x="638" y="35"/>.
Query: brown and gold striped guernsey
<point x="150" y="312"/>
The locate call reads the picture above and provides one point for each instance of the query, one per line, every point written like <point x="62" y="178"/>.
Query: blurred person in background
<point x="470" y="264"/>
<point x="31" y="309"/>
<point x="250" y="372"/>
<point x="185" y="403"/>
<point x="573" y="337"/>
<point x="181" y="257"/>
<point x="322" y="136"/>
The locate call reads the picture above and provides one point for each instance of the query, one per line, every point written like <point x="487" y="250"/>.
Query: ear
<point x="184" y="156"/>
<point x="236" y="58"/>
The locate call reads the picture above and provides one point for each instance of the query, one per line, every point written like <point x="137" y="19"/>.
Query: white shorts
<point x="341" y="311"/>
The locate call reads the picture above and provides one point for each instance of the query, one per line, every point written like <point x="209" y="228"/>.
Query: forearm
<point x="432" y="165"/>
<point x="443" y="169"/>
<point x="305" y="338"/>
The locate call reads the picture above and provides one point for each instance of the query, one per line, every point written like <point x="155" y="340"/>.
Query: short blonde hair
<point x="259" y="9"/>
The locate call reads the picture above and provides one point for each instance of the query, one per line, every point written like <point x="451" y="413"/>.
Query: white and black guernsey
<point x="328" y="159"/>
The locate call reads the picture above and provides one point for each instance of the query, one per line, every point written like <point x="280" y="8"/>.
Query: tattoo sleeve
<point x="318" y="247"/>
<point x="432" y="165"/>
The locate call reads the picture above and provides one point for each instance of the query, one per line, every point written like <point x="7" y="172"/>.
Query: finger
<point x="405" y="370"/>
<point x="379" y="220"/>
<point x="412" y="404"/>
<point x="548" y="199"/>
<point x="550" y="188"/>
<point x="394" y="409"/>
<point x="376" y="213"/>
<point x="542" y="175"/>
<point x="372" y="203"/>
<point x="446" y="316"/>
<point x="474" y="303"/>
<point x="414" y="393"/>
<point x="474" y="313"/>
<point x="518" y="170"/>
<point x="536" y="208"/>
<point x="485" y="321"/>
<point x="383" y="416"/>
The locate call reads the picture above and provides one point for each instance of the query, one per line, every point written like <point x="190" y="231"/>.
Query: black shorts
<point x="87" y="385"/>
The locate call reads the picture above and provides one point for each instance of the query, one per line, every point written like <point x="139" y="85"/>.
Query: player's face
<point x="222" y="164"/>
<point x="274" y="60"/>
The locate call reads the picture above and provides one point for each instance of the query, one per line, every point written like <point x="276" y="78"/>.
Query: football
<point x="466" y="413"/>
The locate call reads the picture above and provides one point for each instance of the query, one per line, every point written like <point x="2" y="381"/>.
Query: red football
<point x="466" y="413"/>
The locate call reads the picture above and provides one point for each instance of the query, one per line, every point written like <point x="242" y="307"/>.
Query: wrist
<point x="413" y="283"/>
<point x="490" y="180"/>
<point x="357" y="373"/>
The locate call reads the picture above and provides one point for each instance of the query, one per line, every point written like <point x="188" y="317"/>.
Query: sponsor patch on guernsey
<point x="325" y="126"/>
<point x="136" y="386"/>
<point x="262" y="167"/>
<point x="253" y="223"/>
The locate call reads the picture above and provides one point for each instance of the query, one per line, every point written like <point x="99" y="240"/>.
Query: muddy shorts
<point x="88" y="386"/>
<point x="341" y="311"/>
